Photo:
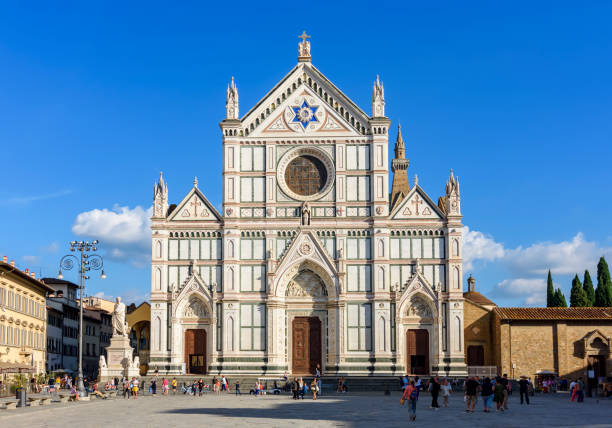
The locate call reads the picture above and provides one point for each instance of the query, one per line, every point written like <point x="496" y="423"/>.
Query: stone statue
<point x="305" y="214"/>
<point x="136" y="363"/>
<point x="102" y="362"/>
<point x="304" y="45"/>
<point x="120" y="327"/>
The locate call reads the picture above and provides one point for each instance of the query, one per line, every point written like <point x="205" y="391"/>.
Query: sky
<point x="96" y="98"/>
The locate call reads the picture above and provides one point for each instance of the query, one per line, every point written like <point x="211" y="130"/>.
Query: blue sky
<point x="97" y="97"/>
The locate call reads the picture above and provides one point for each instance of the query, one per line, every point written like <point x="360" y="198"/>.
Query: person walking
<point x="238" y="387"/>
<point x="498" y="395"/>
<point x="127" y="389"/>
<point x="174" y="386"/>
<point x="411" y="394"/>
<point x="435" y="392"/>
<point x="471" y="394"/>
<point x="295" y="387"/>
<point x="165" y="386"/>
<point x="446" y="391"/>
<point x="200" y="386"/>
<point x="135" y="384"/>
<point x="487" y="393"/>
<point x="524" y="389"/>
<point x="505" y="382"/>
<point x="314" y="388"/>
<point x="580" y="390"/>
<point x="154" y="387"/>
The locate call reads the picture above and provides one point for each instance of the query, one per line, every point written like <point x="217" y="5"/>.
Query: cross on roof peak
<point x="304" y="36"/>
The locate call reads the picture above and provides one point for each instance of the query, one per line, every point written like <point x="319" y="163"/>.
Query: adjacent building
<point x="23" y="320"/>
<point x="537" y="342"/>
<point x="139" y="320"/>
<point x="63" y="316"/>
<point x="314" y="258"/>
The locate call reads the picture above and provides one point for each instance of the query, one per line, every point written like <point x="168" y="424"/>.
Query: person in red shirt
<point x="411" y="395"/>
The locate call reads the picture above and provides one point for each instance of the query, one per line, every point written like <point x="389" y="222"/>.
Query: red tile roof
<point x="543" y="314"/>
<point x="479" y="299"/>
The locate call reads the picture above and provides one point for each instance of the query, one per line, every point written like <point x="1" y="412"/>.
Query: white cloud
<point x="529" y="265"/>
<point x="35" y="198"/>
<point x="478" y="246"/>
<point x="123" y="232"/>
<point x="129" y="296"/>
<point x="531" y="290"/>
<point x="51" y="248"/>
<point x="566" y="257"/>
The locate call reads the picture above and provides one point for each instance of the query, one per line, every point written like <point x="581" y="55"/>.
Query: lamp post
<point x="85" y="262"/>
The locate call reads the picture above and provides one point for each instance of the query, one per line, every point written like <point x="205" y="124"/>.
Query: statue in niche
<point x="305" y="214"/>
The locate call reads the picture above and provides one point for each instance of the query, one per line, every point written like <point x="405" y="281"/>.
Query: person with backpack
<point x="412" y="395"/>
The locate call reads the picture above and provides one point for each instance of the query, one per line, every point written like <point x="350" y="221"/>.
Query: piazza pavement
<point x="334" y="410"/>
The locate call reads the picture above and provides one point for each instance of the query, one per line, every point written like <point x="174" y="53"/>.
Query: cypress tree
<point x="550" y="291"/>
<point x="588" y="288"/>
<point x="578" y="298"/>
<point x="603" y="293"/>
<point x="560" y="299"/>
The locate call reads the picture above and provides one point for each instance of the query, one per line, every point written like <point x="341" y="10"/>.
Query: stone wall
<point x="478" y="330"/>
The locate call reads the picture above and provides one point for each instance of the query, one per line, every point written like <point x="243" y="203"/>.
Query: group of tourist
<point x="492" y="390"/>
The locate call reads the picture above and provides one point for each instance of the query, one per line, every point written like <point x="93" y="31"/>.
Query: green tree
<point x="578" y="298"/>
<point x="603" y="293"/>
<point x="588" y="288"/>
<point x="550" y="291"/>
<point x="559" y="299"/>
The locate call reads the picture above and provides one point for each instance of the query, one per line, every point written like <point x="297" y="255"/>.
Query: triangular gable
<point x="306" y="245"/>
<point x="417" y="285"/>
<point x="195" y="207"/>
<point x="416" y="205"/>
<point x="322" y="119"/>
<point x="274" y="113"/>
<point x="193" y="285"/>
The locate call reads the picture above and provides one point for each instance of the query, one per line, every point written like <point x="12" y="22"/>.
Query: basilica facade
<point x="315" y="259"/>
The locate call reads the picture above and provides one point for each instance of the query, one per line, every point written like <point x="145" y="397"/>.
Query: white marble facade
<point x="307" y="229"/>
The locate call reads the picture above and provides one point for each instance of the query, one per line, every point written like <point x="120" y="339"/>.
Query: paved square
<point x="350" y="410"/>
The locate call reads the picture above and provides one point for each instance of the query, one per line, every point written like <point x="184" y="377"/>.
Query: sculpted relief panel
<point x="306" y="284"/>
<point x="195" y="309"/>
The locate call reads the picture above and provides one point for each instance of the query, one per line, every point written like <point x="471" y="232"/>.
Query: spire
<point x="399" y="166"/>
<point x="452" y="200"/>
<point x="195" y="181"/>
<point x="471" y="283"/>
<point x="304" y="48"/>
<point x="400" y="149"/>
<point x="378" y="99"/>
<point x="160" y="197"/>
<point x="231" y="101"/>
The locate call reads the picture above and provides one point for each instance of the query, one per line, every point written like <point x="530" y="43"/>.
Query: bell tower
<point x="399" y="166"/>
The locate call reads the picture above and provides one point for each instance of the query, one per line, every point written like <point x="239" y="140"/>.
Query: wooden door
<point x="475" y="355"/>
<point x="306" y="345"/>
<point x="195" y="351"/>
<point x="417" y="351"/>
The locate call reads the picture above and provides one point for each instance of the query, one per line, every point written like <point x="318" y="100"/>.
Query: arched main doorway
<point x="306" y="291"/>
<point x="417" y="351"/>
<point x="195" y="351"/>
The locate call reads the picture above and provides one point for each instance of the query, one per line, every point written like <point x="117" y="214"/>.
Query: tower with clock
<point x="313" y="260"/>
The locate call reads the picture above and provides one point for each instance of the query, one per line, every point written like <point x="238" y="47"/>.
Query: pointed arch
<point x="458" y="333"/>
<point x="455" y="247"/>
<point x="158" y="329"/>
<point x="381" y="248"/>
<point x="158" y="249"/>
<point x="230" y="278"/>
<point x="381" y="278"/>
<point x="456" y="278"/>
<point x="158" y="279"/>
<point x="229" y="334"/>
<point x="381" y="334"/>
<point x="230" y="249"/>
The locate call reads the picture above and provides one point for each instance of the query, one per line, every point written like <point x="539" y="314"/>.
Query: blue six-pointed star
<point x="305" y="114"/>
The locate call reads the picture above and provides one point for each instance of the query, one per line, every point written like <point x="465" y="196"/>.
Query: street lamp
<point x="86" y="262"/>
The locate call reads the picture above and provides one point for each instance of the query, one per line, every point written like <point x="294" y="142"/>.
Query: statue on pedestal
<point x="120" y="327"/>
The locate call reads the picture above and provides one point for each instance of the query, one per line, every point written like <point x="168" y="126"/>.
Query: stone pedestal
<point x="120" y="362"/>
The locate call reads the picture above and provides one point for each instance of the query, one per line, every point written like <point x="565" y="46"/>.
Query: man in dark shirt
<point x="504" y="381"/>
<point x="524" y="389"/>
<point x="435" y="391"/>
<point x="471" y="394"/>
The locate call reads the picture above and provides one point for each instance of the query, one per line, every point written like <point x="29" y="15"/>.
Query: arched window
<point x="229" y="332"/>
<point x="381" y="248"/>
<point x="158" y="331"/>
<point x="230" y="249"/>
<point x="230" y="278"/>
<point x="381" y="278"/>
<point x="381" y="333"/>
<point x="458" y="333"/>
<point x="158" y="278"/>
<point x="457" y="278"/>
<point x="456" y="247"/>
